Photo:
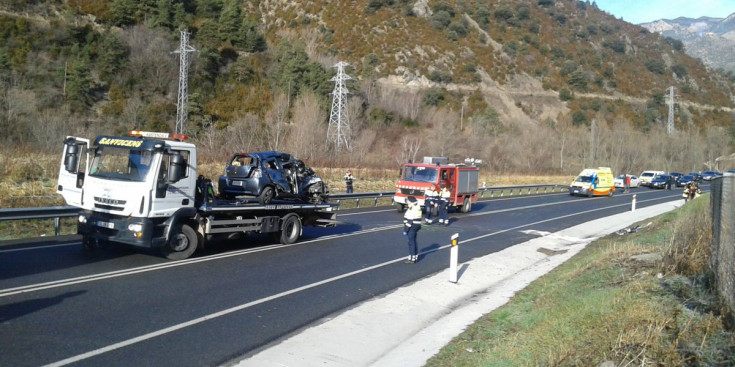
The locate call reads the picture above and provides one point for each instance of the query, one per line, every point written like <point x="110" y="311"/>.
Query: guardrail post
<point x="358" y="203"/>
<point x="376" y="201"/>
<point x="56" y="226"/>
<point x="454" y="258"/>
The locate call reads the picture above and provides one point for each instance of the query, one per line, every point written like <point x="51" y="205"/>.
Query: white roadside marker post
<point x="632" y="204"/>
<point x="453" y="258"/>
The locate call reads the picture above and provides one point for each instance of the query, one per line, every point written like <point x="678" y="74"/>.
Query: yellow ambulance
<point x="593" y="181"/>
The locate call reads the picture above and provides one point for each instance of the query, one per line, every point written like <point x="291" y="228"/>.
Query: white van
<point x="647" y="176"/>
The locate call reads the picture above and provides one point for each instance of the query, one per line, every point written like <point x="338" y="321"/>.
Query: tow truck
<point x="461" y="179"/>
<point x="143" y="190"/>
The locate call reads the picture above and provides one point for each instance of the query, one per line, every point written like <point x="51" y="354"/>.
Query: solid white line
<point x="244" y="306"/>
<point x="143" y="269"/>
<point x="147" y="268"/>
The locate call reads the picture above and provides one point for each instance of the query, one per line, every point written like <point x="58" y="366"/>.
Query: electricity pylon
<point x="338" y="132"/>
<point x="182" y="108"/>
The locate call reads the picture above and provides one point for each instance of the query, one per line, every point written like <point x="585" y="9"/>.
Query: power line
<point x="338" y="132"/>
<point x="182" y="102"/>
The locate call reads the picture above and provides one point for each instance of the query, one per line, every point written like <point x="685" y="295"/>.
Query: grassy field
<point x="641" y="299"/>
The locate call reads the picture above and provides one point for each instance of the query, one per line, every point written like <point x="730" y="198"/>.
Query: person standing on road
<point x="626" y="183"/>
<point x="430" y="199"/>
<point x="348" y="181"/>
<point x="411" y="226"/>
<point x="444" y="197"/>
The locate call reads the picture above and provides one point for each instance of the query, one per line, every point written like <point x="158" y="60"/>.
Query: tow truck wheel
<point x="291" y="229"/>
<point x="266" y="195"/>
<point x="182" y="245"/>
<point x="466" y="205"/>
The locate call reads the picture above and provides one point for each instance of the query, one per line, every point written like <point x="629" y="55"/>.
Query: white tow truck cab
<point x="144" y="190"/>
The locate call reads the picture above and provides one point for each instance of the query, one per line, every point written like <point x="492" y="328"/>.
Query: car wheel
<point x="266" y="196"/>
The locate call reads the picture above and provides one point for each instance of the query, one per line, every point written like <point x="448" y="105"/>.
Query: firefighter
<point x="430" y="199"/>
<point x="411" y="226"/>
<point x="444" y="198"/>
<point x="348" y="181"/>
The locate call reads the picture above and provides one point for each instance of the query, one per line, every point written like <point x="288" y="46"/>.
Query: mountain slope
<point x="710" y="39"/>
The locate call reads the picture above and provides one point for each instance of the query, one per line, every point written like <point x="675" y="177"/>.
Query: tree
<point x="230" y="21"/>
<point x="79" y="86"/>
<point x="122" y="12"/>
<point x="112" y="56"/>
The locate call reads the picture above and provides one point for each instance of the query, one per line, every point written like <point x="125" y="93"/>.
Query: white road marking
<point x="244" y="306"/>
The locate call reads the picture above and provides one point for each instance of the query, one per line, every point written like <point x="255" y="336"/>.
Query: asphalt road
<point x="119" y="306"/>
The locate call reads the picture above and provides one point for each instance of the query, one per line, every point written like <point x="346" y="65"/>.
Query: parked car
<point x="709" y="175"/>
<point x="684" y="180"/>
<point x="659" y="182"/>
<point x="730" y="171"/>
<point x="634" y="181"/>
<point x="271" y="175"/>
<point x="676" y="175"/>
<point x="697" y="177"/>
<point x="647" y="176"/>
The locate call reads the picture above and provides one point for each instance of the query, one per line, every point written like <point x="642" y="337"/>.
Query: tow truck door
<point x="73" y="170"/>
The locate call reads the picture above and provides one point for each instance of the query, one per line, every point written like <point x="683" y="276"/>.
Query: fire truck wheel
<point x="182" y="245"/>
<point x="466" y="205"/>
<point x="266" y="195"/>
<point x="291" y="229"/>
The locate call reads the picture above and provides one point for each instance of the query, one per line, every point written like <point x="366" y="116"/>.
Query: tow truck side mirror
<point x="177" y="169"/>
<point x="71" y="159"/>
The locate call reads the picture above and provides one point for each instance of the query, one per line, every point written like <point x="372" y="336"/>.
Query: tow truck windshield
<point x="420" y="174"/>
<point x="121" y="163"/>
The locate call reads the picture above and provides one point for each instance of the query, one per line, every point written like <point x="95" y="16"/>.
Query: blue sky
<point x="642" y="11"/>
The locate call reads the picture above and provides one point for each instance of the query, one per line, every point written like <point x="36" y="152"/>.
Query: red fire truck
<point x="460" y="180"/>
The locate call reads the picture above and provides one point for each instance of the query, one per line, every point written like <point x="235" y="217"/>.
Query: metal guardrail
<point x="58" y="212"/>
<point x="499" y="191"/>
<point x="52" y="212"/>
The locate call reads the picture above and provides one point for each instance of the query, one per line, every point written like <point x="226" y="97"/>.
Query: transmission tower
<point x="670" y="122"/>
<point x="182" y="108"/>
<point x="338" y="131"/>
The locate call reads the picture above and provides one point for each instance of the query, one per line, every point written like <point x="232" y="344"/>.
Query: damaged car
<point x="271" y="175"/>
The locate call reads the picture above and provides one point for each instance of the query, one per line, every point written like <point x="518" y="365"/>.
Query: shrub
<point x="433" y="96"/>
<point x="655" y="66"/>
<point x="565" y="94"/>
<point x="579" y="118"/>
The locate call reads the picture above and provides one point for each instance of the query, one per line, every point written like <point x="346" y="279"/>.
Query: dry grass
<point x="29" y="180"/>
<point x="604" y="305"/>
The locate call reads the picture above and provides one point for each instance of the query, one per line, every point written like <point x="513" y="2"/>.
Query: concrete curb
<point x="409" y="325"/>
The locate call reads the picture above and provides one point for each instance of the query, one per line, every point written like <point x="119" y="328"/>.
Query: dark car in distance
<point x="697" y="177"/>
<point x="684" y="180"/>
<point x="710" y="175"/>
<point x="271" y="175"/>
<point x="659" y="182"/>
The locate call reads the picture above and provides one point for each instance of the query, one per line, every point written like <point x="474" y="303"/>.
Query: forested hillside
<point x="529" y="86"/>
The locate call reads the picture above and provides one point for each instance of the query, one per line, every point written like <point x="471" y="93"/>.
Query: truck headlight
<point x="82" y="219"/>
<point x="136" y="227"/>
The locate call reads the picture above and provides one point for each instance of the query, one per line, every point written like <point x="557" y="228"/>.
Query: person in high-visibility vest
<point x="430" y="201"/>
<point x="444" y="199"/>
<point x="411" y="226"/>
